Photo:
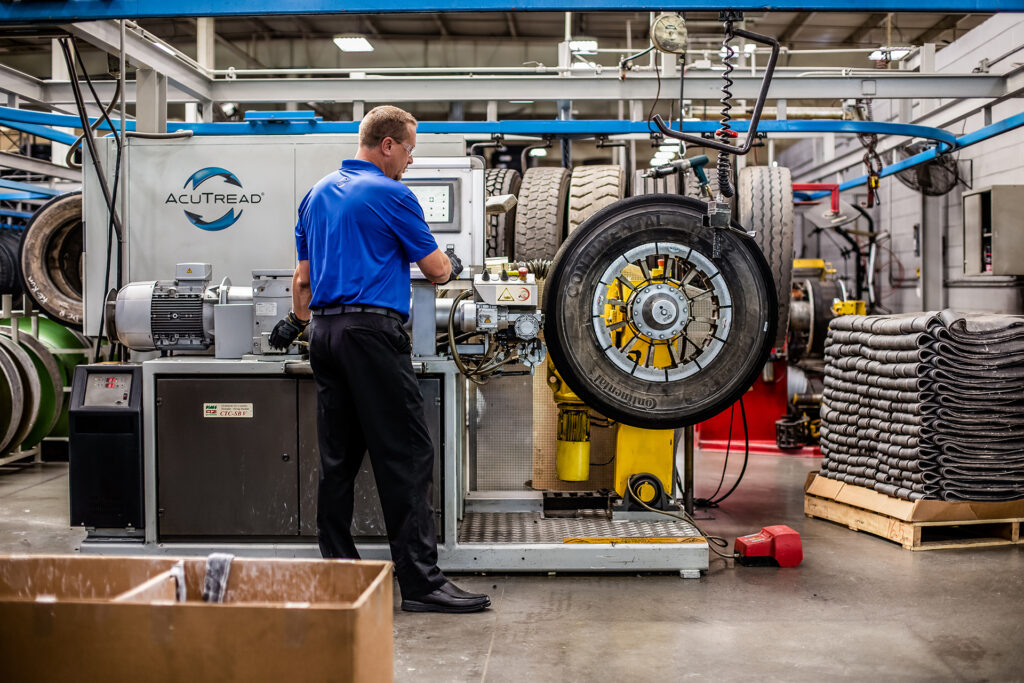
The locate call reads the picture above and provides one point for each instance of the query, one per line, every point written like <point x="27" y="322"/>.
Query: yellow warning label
<point x="188" y="271"/>
<point x="505" y="295"/>
<point x="646" y="539"/>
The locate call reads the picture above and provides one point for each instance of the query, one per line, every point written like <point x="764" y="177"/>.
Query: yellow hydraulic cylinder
<point x="648" y="451"/>
<point x="572" y="450"/>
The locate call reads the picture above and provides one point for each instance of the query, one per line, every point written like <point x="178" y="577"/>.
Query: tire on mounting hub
<point x="501" y="226"/>
<point x="732" y="294"/>
<point x="540" y="219"/>
<point x="764" y="200"/>
<point x="591" y="188"/>
<point x="643" y="185"/>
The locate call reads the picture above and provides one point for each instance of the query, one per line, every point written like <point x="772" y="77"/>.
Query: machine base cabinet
<point x="238" y="457"/>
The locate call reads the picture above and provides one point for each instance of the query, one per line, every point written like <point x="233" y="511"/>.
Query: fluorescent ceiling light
<point x="353" y="43"/>
<point x="583" y="47"/>
<point x="672" y="149"/>
<point x="538" y="152"/>
<point x="520" y="101"/>
<point x="165" y="48"/>
<point x="890" y="53"/>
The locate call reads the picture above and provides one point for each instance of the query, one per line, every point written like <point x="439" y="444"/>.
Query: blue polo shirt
<point x="359" y="230"/>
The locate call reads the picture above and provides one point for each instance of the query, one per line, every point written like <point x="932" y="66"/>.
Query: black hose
<point x="158" y="136"/>
<point x="746" y="457"/>
<point x="89" y="141"/>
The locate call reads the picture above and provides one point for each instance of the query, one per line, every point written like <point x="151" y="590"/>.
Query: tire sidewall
<point x="33" y="257"/>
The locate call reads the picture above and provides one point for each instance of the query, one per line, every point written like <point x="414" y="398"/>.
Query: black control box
<point x="105" y="449"/>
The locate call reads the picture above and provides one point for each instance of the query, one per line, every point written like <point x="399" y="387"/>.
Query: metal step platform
<point x="533" y="528"/>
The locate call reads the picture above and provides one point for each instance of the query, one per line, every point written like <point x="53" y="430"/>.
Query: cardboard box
<point x="909" y="510"/>
<point x="80" y="618"/>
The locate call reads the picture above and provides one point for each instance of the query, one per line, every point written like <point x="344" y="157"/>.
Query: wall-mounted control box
<point x="994" y="231"/>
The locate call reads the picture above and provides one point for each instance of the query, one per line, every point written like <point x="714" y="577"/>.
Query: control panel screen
<point x="439" y="201"/>
<point x="109" y="390"/>
<point x="436" y="201"/>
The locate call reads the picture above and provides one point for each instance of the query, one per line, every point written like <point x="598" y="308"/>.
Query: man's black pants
<point x="368" y="399"/>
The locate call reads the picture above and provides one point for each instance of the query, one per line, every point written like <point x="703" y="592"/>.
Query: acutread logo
<point x="201" y="199"/>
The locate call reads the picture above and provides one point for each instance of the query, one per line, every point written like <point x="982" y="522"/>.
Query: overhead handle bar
<point x="755" y="117"/>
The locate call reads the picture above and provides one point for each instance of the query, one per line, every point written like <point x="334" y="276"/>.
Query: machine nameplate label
<point x="268" y="308"/>
<point x="648" y="539"/>
<point x="227" y="410"/>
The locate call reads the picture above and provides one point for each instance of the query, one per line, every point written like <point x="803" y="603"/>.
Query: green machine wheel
<point x="55" y="353"/>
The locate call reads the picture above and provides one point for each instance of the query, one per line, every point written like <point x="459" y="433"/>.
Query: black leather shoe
<point x="448" y="598"/>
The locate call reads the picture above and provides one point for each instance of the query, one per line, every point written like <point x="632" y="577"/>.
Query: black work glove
<point x="456" y="263"/>
<point x="285" y="331"/>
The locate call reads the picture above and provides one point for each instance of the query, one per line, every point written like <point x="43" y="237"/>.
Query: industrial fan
<point x="933" y="178"/>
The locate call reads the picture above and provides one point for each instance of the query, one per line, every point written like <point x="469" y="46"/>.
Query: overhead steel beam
<point x="891" y="85"/>
<point x="250" y="61"/>
<point x="440" y="25"/>
<point x="84" y="10"/>
<point x="482" y="88"/>
<point x="22" y="85"/>
<point x="944" y="24"/>
<point x="106" y="35"/>
<point x="794" y="27"/>
<point x="866" y="27"/>
<point x="39" y="167"/>
<point x="511" y="25"/>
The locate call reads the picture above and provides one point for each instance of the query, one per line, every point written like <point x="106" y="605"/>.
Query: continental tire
<point x="592" y="188"/>
<point x="765" y="202"/>
<point x="643" y="186"/>
<point x="540" y="220"/>
<point x="501" y="227"/>
<point x="51" y="258"/>
<point x="713" y="310"/>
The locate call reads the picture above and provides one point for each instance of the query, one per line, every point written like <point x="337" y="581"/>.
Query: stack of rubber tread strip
<point x="927" y="405"/>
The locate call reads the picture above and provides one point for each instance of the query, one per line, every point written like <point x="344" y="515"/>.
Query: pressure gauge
<point x="668" y="33"/>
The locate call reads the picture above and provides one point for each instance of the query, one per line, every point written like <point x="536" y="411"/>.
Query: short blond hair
<point x="382" y="122"/>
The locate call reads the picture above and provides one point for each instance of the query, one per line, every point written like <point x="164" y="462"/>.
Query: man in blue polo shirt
<point x="358" y="230"/>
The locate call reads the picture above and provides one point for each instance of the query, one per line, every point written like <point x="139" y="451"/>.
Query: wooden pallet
<point x="917" y="535"/>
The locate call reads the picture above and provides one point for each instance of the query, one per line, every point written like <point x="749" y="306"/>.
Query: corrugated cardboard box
<point x="74" y="618"/>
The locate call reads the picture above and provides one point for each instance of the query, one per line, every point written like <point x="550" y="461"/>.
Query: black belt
<point x="355" y="308"/>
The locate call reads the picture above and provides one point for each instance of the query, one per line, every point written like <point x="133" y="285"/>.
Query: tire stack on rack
<point x="926" y="406"/>
<point x="35" y="373"/>
<point x="501" y="227"/>
<point x="51" y="258"/>
<point x="10" y="266"/>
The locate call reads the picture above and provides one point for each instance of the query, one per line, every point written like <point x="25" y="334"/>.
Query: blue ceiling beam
<point x="85" y="10"/>
<point x="29" y="187"/>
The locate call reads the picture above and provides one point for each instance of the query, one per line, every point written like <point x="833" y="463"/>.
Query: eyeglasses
<point x="408" y="148"/>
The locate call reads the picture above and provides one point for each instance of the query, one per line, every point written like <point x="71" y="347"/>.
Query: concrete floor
<point x="858" y="608"/>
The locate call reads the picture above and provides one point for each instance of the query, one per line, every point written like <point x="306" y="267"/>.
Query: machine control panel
<point x="109" y="390"/>
<point x="440" y="203"/>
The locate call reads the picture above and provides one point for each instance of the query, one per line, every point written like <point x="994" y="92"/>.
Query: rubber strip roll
<point x="926" y="405"/>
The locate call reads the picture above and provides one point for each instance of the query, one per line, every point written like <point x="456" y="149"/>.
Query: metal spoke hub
<point x="662" y="312"/>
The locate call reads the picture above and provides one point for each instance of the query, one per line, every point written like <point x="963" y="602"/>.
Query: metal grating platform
<point x="530" y="527"/>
